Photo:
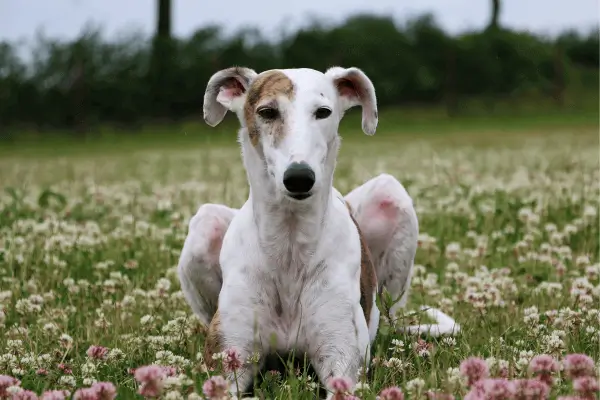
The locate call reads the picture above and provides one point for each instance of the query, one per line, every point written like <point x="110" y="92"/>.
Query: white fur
<point x="291" y="268"/>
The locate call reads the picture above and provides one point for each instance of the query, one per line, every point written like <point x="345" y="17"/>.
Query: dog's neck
<point x="288" y="231"/>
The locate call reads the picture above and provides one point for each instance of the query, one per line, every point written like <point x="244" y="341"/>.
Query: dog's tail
<point x="445" y="324"/>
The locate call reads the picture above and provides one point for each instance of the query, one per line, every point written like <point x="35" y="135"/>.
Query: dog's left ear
<point x="355" y="88"/>
<point x="226" y="90"/>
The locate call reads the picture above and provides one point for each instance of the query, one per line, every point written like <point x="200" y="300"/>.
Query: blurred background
<point x="92" y="69"/>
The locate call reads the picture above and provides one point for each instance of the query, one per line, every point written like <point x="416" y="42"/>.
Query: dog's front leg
<point x="241" y="380"/>
<point x="239" y="334"/>
<point x="339" y="348"/>
<point x="236" y="345"/>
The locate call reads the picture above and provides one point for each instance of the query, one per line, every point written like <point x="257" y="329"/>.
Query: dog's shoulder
<point x="368" y="277"/>
<point x="239" y="242"/>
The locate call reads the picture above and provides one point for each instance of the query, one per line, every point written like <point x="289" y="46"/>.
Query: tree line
<point x="88" y="80"/>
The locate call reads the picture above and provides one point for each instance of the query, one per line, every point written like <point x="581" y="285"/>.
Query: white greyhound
<point x="298" y="267"/>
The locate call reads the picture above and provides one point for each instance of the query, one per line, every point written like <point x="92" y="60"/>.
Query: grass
<point x="508" y="210"/>
<point x="407" y="123"/>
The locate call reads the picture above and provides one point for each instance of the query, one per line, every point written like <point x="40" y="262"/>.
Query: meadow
<point x="90" y="235"/>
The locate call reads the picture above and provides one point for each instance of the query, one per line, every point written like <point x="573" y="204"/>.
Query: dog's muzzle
<point x="299" y="179"/>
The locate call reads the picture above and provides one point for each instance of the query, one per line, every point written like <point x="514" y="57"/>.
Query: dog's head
<point x="290" y="120"/>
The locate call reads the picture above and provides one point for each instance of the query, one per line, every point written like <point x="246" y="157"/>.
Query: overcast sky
<point x="19" y="19"/>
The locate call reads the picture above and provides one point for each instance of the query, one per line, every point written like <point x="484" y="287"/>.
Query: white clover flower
<point x="397" y="346"/>
<point x="14" y="389"/>
<point x="68" y="381"/>
<point x="452" y="250"/>
<point x="415" y="386"/>
<point x="394" y="364"/>
<point x="66" y="340"/>
<point x="455" y="378"/>
<point x="173" y="395"/>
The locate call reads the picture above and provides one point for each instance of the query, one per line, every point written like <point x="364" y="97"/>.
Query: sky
<point x="20" y="19"/>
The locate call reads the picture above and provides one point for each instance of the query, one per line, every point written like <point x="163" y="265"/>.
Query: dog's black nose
<point x="298" y="178"/>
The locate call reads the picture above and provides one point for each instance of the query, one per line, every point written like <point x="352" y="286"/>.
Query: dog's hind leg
<point x="386" y="216"/>
<point x="384" y="211"/>
<point x="199" y="269"/>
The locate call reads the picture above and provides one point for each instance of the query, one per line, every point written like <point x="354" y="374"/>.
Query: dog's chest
<point x="291" y="294"/>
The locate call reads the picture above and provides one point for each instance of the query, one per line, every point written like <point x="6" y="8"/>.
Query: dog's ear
<point x="226" y="90"/>
<point x="355" y="88"/>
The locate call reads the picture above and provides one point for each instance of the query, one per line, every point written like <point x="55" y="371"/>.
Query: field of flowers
<point x="90" y="305"/>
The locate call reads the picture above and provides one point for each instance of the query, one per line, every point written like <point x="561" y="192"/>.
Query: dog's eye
<point x="322" y="113"/>
<point x="268" y="113"/>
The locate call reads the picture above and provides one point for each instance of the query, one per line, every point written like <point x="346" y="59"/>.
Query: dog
<point x="299" y="266"/>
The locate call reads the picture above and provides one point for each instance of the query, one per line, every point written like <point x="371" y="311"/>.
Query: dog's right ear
<point x="226" y="90"/>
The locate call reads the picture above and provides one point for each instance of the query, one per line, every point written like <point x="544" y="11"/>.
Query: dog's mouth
<point x="300" y="196"/>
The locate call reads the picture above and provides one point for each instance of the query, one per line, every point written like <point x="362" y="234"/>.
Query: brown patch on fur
<point x="368" y="278"/>
<point x="214" y="341"/>
<point x="267" y="85"/>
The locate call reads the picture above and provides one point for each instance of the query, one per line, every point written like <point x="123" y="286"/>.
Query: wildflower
<point x="586" y="386"/>
<point x="97" y="352"/>
<point x="415" y="386"/>
<point x="216" y="387"/>
<point x="439" y="396"/>
<point x="394" y="364"/>
<point x="65" y="369"/>
<point x="66" y="340"/>
<point x="232" y="360"/>
<point x="362" y="387"/>
<point x="151" y="379"/>
<point x="491" y="389"/>
<point x="115" y="354"/>
<point x="85" y="394"/>
<point x="105" y="390"/>
<point x="454" y="377"/>
<point x="531" y="389"/>
<point x="422" y="348"/>
<point x="55" y="395"/>
<point x="449" y="341"/>
<point x="578" y="365"/>
<point x="391" y="393"/>
<point x="6" y="382"/>
<point x="543" y="366"/>
<point x="397" y="346"/>
<point x="340" y="386"/>
<point x="67" y="380"/>
<point x="452" y="250"/>
<point x="474" y="369"/>
<point x="24" y="395"/>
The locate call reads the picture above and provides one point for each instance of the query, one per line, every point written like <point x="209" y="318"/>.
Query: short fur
<point x="214" y="341"/>
<point x="368" y="279"/>
<point x="268" y="86"/>
<point x="299" y="275"/>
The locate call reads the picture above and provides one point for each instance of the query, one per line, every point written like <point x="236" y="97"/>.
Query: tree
<point x="493" y="24"/>
<point x="161" y="59"/>
<point x="163" y="21"/>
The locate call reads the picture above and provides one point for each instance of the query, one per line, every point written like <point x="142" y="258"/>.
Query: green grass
<point x="407" y="123"/>
<point x="90" y="236"/>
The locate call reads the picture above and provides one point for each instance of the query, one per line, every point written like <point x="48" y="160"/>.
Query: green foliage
<point x="89" y="80"/>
